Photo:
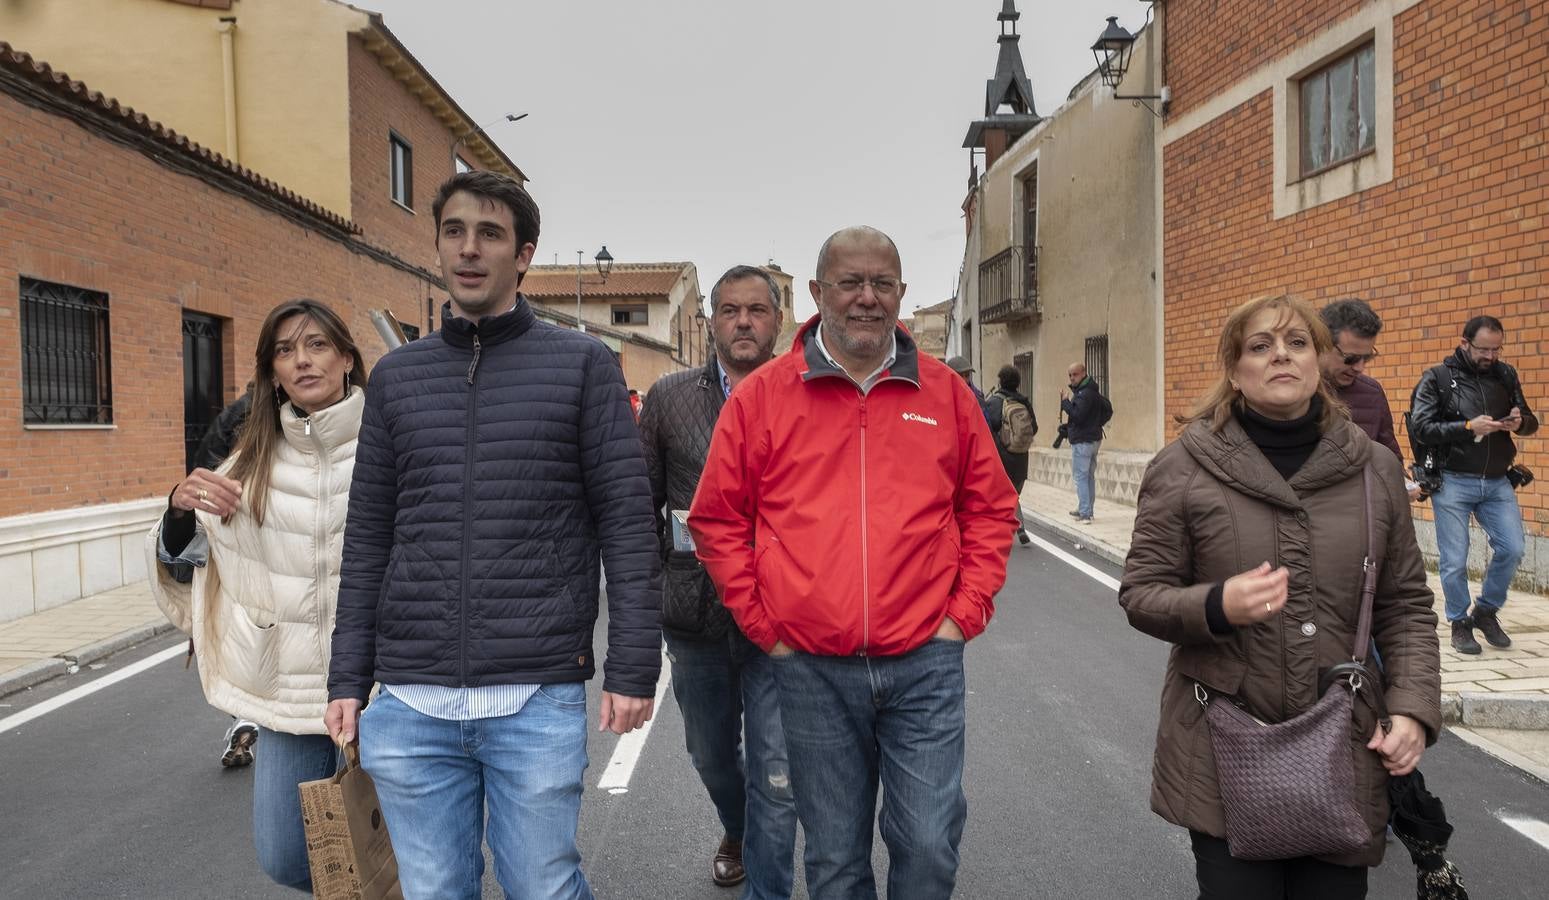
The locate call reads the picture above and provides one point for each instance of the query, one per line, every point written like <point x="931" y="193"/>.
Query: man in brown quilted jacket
<point x="723" y="682"/>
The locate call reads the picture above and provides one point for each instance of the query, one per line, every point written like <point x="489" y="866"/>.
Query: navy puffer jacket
<point x="495" y="461"/>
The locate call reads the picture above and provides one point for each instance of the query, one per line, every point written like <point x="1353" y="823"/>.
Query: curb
<point x="35" y="673"/>
<point x="1478" y="709"/>
<point x="32" y="673"/>
<point x="1074" y="535"/>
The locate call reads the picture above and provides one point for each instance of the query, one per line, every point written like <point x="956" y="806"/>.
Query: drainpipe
<point x="227" y="29"/>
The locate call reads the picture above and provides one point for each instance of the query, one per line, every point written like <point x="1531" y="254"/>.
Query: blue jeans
<point x="723" y="688"/>
<point x="1083" y="471"/>
<point x="280" y="762"/>
<point x="434" y="778"/>
<point x="854" y="721"/>
<point x="1494" y="504"/>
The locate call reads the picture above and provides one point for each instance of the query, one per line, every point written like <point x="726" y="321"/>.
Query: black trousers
<point x="1223" y="877"/>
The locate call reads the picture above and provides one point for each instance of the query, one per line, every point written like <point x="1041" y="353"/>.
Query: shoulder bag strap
<point x="1369" y="567"/>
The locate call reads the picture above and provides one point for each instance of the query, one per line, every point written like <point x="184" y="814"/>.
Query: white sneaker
<point x="240" y="739"/>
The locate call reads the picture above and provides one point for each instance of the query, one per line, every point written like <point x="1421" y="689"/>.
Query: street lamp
<point x="508" y="117"/>
<point x="1112" y="52"/>
<point x="701" y="323"/>
<point x="604" y="266"/>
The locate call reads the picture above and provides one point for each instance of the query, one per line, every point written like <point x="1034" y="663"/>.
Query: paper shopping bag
<point x="347" y="843"/>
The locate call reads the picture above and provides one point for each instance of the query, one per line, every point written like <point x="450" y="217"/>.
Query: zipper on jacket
<point x="865" y="546"/>
<point x="320" y="540"/>
<point x="462" y="605"/>
<point x="306" y="426"/>
<point x="473" y="366"/>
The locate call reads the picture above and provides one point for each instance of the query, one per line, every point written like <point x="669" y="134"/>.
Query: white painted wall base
<point x="48" y="559"/>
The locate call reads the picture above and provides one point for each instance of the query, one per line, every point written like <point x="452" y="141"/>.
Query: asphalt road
<point x="120" y="794"/>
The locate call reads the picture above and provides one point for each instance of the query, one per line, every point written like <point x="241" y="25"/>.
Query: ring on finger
<point x="1268" y="608"/>
<point x="204" y="495"/>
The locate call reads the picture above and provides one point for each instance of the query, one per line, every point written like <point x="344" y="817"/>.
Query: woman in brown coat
<point x="1247" y="558"/>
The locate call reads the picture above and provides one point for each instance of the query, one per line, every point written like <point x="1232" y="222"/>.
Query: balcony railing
<point x="1008" y="287"/>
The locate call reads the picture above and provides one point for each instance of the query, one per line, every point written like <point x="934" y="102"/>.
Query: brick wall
<point x="379" y="103"/>
<point x="92" y="213"/>
<point x="1463" y="227"/>
<point x="1212" y="42"/>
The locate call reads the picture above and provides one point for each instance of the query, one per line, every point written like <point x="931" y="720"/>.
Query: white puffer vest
<point x="261" y="610"/>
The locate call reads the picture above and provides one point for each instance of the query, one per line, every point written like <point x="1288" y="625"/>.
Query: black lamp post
<point x="1112" y="52"/>
<point x="604" y="261"/>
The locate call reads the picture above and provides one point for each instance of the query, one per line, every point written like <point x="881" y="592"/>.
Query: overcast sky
<point x="728" y="131"/>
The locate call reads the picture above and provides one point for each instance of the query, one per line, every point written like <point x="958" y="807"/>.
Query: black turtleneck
<point x="1286" y="443"/>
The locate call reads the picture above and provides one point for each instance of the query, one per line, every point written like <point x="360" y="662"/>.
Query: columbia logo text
<point x="916" y="417"/>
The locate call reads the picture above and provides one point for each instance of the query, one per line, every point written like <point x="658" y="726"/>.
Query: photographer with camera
<point x="1461" y="418"/>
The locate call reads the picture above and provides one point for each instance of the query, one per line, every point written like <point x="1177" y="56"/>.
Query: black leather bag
<point x="689" y="601"/>
<point x="1288" y="789"/>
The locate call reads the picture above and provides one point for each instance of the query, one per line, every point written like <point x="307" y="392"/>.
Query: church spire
<point x="1009" y="112"/>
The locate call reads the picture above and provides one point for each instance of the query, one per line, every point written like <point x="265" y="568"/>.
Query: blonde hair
<point x="1217" y="405"/>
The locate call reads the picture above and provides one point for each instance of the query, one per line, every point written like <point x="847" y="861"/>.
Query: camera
<point x="1064" y="434"/>
<point x="1429" y="480"/>
<point x="1520" y="476"/>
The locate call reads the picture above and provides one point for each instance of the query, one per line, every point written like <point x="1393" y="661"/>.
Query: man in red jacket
<point x="854" y="515"/>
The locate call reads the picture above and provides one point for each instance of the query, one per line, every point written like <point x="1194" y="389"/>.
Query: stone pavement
<point x="1500" y="689"/>
<point x="40" y="646"/>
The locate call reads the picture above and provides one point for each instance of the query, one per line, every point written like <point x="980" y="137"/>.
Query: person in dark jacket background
<point x="1469" y="407"/>
<point x="498" y="466"/>
<point x="1354" y="327"/>
<point x="998" y="405"/>
<point x="1083" y="407"/>
<point x="723" y="682"/>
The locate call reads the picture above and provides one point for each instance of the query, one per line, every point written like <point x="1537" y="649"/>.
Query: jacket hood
<point x="1232" y="457"/>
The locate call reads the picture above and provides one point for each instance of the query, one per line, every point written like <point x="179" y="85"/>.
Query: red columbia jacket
<point x="844" y="523"/>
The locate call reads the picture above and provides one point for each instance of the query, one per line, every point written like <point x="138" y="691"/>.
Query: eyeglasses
<point x="1496" y="351"/>
<point x="882" y="287"/>
<point x="1351" y="359"/>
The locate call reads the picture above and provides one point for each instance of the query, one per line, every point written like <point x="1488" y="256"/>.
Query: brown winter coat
<point x="1212" y="506"/>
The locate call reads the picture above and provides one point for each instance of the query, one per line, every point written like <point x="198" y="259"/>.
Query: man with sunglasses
<point x="1468" y="407"/>
<point x="1354" y="327"/>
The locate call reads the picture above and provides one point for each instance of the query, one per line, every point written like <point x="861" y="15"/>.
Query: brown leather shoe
<point x="726" y="869"/>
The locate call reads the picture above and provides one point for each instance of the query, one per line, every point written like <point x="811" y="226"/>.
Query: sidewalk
<point x="43" y="645"/>
<point x="1489" y="693"/>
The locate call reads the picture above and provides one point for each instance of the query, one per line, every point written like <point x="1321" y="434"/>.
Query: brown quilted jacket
<point x="1211" y="506"/>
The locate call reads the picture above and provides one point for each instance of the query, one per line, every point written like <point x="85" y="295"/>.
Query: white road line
<point x="621" y="766"/>
<point x="1095" y="574"/>
<point x="86" y="690"/>
<point x="1530" y="828"/>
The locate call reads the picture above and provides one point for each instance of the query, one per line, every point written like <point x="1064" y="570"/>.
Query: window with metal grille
<point x="632" y="314"/>
<point x="66" y="376"/>
<point x="401" y="168"/>
<point x="1339" y="111"/>
<point x="1097" y="361"/>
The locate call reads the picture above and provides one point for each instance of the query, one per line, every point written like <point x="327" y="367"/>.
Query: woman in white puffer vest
<point x="263" y="535"/>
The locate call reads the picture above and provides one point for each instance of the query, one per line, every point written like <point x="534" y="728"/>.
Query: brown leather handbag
<point x="1288" y="789"/>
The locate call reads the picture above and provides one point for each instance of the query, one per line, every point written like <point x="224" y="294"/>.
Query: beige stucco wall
<point x="1095" y="160"/>
<point x="164" y="59"/>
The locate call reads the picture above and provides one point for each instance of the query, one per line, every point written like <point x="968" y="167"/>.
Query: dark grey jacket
<point x="675" y="426"/>
<point x="497" y="462"/>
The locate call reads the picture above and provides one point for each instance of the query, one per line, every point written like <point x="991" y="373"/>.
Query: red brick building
<point x="135" y="262"/>
<point x="1391" y="150"/>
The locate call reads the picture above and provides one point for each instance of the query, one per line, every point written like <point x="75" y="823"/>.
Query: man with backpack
<point x="1013" y="424"/>
<point x="1461" y="418"/>
<point x="1086" y="412"/>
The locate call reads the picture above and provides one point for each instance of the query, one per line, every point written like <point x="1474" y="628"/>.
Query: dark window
<point x="631" y="314"/>
<point x="1339" y="111"/>
<point x="410" y="332"/>
<point x="66" y="376"/>
<point x="401" y="167"/>
<point x="1097" y="361"/>
<point x="1030" y="235"/>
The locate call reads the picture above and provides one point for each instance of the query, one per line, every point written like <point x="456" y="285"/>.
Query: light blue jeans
<point x="1083" y="471"/>
<point x="435" y="777"/>
<point x="853" y="723"/>
<point x="724" y="688"/>
<point x="1494" y="504"/>
<point x="280" y="762"/>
